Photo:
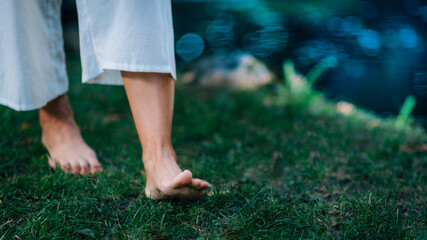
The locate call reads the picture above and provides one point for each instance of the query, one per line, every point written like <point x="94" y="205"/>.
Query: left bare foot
<point x="61" y="136"/>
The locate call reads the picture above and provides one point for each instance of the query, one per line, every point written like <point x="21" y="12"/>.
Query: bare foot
<point x="166" y="180"/>
<point x="61" y="136"/>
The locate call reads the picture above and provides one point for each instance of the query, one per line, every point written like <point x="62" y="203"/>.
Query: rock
<point x="237" y="70"/>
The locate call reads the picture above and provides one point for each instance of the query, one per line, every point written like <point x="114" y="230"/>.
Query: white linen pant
<point x="115" y="35"/>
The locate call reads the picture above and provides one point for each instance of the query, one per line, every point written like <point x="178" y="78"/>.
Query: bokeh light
<point x="313" y="51"/>
<point x="408" y="36"/>
<point x="370" y="41"/>
<point x="339" y="27"/>
<point x="355" y="24"/>
<point x="190" y="46"/>
<point x="267" y="41"/>
<point x="266" y="17"/>
<point x="219" y="33"/>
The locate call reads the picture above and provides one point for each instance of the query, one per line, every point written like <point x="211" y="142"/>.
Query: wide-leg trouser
<point x="129" y="35"/>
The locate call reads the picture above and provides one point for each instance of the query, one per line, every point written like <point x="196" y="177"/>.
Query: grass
<point x="283" y="165"/>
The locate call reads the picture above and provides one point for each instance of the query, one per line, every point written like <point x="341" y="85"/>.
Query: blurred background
<point x="378" y="45"/>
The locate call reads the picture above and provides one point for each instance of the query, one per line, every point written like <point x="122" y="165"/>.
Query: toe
<point x="94" y="165"/>
<point x="182" y="179"/>
<point x="196" y="183"/>
<point x="65" y="166"/>
<point x="96" y="169"/>
<point x="52" y="163"/>
<point x="200" y="184"/>
<point x="75" y="167"/>
<point x="84" y="167"/>
<point x="204" y="185"/>
<point x="208" y="184"/>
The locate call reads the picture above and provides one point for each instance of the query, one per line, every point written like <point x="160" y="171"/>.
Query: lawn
<point x="282" y="166"/>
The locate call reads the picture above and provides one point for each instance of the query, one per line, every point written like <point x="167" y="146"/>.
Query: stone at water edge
<point x="235" y="70"/>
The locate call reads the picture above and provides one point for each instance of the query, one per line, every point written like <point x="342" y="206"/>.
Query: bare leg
<point x="61" y="136"/>
<point x="151" y="98"/>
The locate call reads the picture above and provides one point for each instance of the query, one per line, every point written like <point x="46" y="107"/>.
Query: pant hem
<point x="111" y="74"/>
<point x="29" y="107"/>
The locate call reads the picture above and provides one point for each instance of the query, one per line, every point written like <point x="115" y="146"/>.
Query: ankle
<point x="158" y="154"/>
<point x="57" y="112"/>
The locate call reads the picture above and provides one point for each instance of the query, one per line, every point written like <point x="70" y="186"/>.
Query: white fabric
<point x="32" y="69"/>
<point x="130" y="35"/>
<point x="115" y="35"/>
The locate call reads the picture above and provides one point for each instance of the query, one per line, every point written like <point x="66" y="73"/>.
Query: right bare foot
<point x="166" y="180"/>
<point x="151" y="98"/>
<point x="61" y="136"/>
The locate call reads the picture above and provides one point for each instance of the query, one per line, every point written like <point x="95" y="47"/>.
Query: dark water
<point x="379" y="44"/>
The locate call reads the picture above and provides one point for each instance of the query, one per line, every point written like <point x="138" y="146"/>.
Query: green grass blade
<point x="405" y="112"/>
<point x="314" y="74"/>
<point x="288" y="72"/>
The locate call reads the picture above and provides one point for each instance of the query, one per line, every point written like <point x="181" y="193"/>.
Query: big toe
<point x="94" y="165"/>
<point x="182" y="179"/>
